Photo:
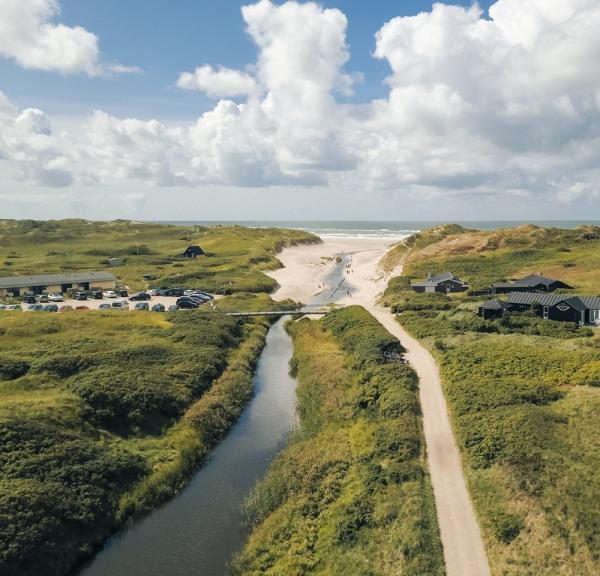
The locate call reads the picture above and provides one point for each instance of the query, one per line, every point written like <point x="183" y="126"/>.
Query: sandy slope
<point x="301" y="278"/>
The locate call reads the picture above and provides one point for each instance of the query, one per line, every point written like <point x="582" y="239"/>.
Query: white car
<point x="109" y="294"/>
<point x="56" y="297"/>
<point x="120" y="305"/>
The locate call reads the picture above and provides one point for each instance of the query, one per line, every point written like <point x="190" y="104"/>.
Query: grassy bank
<point x="350" y="493"/>
<point x="104" y="415"/>
<point x="235" y="256"/>
<point x="524" y="395"/>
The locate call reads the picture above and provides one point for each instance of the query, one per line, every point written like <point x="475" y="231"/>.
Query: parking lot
<point x="94" y="304"/>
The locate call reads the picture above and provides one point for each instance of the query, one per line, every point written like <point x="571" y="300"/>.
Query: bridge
<point x="279" y="313"/>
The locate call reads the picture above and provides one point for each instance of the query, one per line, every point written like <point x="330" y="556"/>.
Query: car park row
<point x="170" y="299"/>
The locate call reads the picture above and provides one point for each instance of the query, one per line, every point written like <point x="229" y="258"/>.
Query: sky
<point x="198" y="110"/>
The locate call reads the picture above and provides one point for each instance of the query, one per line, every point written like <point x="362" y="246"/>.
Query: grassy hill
<point x="234" y="262"/>
<point x="524" y="393"/>
<point x="483" y="257"/>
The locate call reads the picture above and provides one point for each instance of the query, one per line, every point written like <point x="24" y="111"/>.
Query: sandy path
<point x="464" y="552"/>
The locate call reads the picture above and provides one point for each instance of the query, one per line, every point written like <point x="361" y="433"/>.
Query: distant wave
<point x="375" y="233"/>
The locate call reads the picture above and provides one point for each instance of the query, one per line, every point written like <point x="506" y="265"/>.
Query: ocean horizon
<point x="381" y="228"/>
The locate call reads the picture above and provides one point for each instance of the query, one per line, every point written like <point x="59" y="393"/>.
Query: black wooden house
<point x="193" y="252"/>
<point x="531" y="283"/>
<point x="560" y="307"/>
<point x="445" y="282"/>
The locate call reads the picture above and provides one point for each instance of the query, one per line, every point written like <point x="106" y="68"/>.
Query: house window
<point x="594" y="316"/>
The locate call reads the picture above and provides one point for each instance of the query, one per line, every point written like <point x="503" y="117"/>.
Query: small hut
<point x="193" y="252"/>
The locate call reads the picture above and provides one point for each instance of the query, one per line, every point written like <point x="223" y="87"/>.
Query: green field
<point x="234" y="261"/>
<point x="350" y="494"/>
<point x="524" y="393"/>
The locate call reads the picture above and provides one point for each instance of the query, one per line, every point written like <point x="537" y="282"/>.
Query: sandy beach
<point x="307" y="267"/>
<point x="303" y="278"/>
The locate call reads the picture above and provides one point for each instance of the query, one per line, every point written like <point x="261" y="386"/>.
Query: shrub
<point x="506" y="526"/>
<point x="11" y="369"/>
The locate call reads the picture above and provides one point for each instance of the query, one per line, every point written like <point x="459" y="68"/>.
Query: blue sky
<point x="273" y="109"/>
<point x="167" y="38"/>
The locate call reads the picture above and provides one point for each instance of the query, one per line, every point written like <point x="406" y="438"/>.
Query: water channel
<point x="199" y="531"/>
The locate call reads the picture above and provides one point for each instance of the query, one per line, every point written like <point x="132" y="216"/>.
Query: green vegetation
<point x="480" y="258"/>
<point x="523" y="393"/>
<point x="235" y="256"/>
<point x="105" y="414"/>
<point x="350" y="493"/>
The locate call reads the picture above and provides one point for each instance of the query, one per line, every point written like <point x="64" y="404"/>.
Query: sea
<point x="383" y="228"/>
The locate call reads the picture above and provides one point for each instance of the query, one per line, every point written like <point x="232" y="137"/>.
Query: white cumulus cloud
<point x="221" y="83"/>
<point x="30" y="36"/>
<point x="485" y="104"/>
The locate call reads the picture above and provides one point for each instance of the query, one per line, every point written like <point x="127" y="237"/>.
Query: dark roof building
<point x="193" y="252"/>
<point x="444" y="282"/>
<point x="559" y="307"/>
<point x="56" y="282"/>
<point x="493" y="309"/>
<point x="531" y="283"/>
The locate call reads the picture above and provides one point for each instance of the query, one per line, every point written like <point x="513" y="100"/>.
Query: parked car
<point x="158" y="308"/>
<point x="121" y="293"/>
<point x="109" y="294"/>
<point x="186" y="303"/>
<point x="55" y="297"/>
<point x="80" y="296"/>
<point x="202" y="294"/>
<point x="140" y="296"/>
<point x="34" y="308"/>
<point x="104" y="306"/>
<point x="29" y="299"/>
<point x="95" y="294"/>
<point x="42" y="298"/>
<point x="177" y="292"/>
<point x="13" y="308"/>
<point x="2" y="306"/>
<point x="82" y="307"/>
<point x="120" y="305"/>
<point x="65" y="308"/>
<point x="173" y="308"/>
<point x="50" y="308"/>
<point x="141" y="306"/>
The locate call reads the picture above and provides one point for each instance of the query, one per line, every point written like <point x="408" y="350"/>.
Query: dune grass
<point x="350" y="493"/>
<point x="234" y="261"/>
<point x="524" y="395"/>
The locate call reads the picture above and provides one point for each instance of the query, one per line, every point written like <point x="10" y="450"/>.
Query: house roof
<point x="578" y="302"/>
<point x="495" y="304"/>
<point x="55" y="279"/>
<point x="437" y="279"/>
<point x="531" y="280"/>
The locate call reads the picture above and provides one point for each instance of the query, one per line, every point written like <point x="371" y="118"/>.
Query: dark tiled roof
<point x="531" y="280"/>
<point x="495" y="304"/>
<point x="55" y="279"/>
<point x="578" y="302"/>
<point x="437" y="279"/>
